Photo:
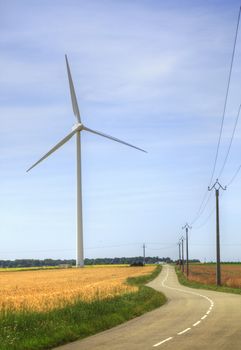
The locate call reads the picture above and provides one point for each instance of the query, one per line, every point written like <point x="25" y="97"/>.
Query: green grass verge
<point x="141" y="280"/>
<point x="27" y="330"/>
<point x="192" y="284"/>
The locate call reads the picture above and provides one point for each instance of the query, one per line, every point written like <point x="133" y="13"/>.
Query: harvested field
<point x="206" y="273"/>
<point x="48" y="289"/>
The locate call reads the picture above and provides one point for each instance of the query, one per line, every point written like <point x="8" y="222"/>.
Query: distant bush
<point x="137" y="263"/>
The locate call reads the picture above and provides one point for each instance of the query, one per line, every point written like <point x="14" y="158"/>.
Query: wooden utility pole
<point x="182" y="241"/>
<point x="217" y="187"/>
<point x="179" y="250"/>
<point x="186" y="227"/>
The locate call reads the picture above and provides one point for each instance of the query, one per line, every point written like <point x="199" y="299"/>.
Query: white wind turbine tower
<point x="76" y="130"/>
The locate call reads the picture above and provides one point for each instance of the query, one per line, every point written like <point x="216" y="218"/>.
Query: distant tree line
<point x="35" y="262"/>
<point x="124" y="260"/>
<point x="71" y="262"/>
<point x="191" y="261"/>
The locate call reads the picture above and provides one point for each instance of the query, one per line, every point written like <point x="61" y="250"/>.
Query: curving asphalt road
<point x="192" y="319"/>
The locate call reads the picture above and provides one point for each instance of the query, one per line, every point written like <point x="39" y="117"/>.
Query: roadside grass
<point x="192" y="284"/>
<point x="28" y="330"/>
<point x="141" y="280"/>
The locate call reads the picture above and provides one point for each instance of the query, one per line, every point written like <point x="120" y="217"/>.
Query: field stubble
<point x="206" y="274"/>
<point x="50" y="289"/>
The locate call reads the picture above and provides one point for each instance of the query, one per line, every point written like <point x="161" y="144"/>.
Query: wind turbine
<point x="76" y="130"/>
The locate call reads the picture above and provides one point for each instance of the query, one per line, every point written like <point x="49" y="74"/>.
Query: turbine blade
<point x="72" y="93"/>
<point x="112" y="138"/>
<point x="59" y="144"/>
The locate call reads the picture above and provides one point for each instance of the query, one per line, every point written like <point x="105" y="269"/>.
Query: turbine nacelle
<point x="78" y="127"/>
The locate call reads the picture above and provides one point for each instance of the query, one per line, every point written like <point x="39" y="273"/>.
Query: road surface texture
<point x="192" y="319"/>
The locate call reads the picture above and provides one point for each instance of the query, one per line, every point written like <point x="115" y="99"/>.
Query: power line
<point x="222" y="123"/>
<point x="162" y="244"/>
<point x="162" y="248"/>
<point x="234" y="176"/>
<point x="201" y="210"/>
<point x="212" y="244"/>
<point x="209" y="215"/>
<point x="226" y="99"/>
<point x="70" y="250"/>
<point x="37" y="251"/>
<point x="115" y="246"/>
<point x="206" y="220"/>
<point x="230" y="143"/>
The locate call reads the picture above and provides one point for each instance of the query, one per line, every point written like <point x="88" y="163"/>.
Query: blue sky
<point x="152" y="73"/>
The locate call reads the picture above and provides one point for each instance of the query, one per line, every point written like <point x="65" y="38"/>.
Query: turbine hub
<point x="78" y="127"/>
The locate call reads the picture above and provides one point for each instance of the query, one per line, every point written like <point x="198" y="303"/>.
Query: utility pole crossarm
<point x="187" y="226"/>
<point x="217" y="186"/>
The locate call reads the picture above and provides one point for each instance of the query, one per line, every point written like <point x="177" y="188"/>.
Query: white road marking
<point x="185" y="291"/>
<point x="164" y="341"/>
<point x="185" y="330"/>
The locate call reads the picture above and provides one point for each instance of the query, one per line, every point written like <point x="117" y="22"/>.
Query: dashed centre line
<point x="164" y="341"/>
<point x="195" y="324"/>
<point x="185" y="330"/>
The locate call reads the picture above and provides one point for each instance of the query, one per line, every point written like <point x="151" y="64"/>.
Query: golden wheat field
<point x="48" y="289"/>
